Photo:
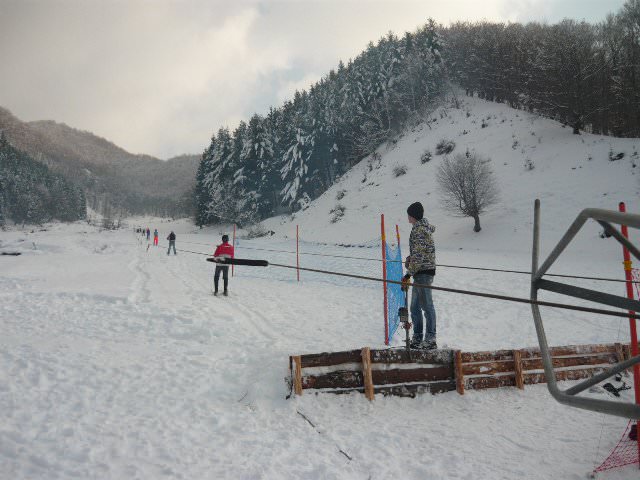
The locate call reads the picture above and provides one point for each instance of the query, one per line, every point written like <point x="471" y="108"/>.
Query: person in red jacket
<point x="224" y="250"/>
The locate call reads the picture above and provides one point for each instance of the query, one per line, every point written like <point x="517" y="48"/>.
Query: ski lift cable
<point x="505" y="298"/>
<point x="465" y="267"/>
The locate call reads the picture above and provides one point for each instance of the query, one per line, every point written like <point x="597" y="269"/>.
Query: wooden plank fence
<point x="394" y="372"/>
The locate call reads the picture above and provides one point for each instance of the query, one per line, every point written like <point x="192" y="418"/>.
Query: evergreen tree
<point x="30" y="193"/>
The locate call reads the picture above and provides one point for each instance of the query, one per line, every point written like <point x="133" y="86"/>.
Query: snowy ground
<point x="117" y="362"/>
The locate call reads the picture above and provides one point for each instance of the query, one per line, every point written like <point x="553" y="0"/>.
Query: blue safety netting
<point x="395" y="295"/>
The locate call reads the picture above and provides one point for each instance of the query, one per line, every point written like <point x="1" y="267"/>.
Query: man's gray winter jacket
<point x="421" y="248"/>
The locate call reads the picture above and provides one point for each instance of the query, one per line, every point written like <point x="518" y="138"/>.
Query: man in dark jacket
<point x="421" y="265"/>
<point x="172" y="243"/>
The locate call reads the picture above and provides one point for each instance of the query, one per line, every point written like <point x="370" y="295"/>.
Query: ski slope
<point x="117" y="362"/>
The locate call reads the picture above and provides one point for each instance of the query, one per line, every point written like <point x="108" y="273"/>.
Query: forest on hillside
<point x="31" y="193"/>
<point x="581" y="74"/>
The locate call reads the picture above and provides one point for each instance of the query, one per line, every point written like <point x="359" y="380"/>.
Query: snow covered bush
<point x="341" y="194"/>
<point x="256" y="231"/>
<point x="528" y="164"/>
<point x="337" y="212"/>
<point x="613" y="156"/>
<point x="445" y="147"/>
<point x="375" y="161"/>
<point x="399" y="170"/>
<point x="425" y="157"/>
<point x="304" y="202"/>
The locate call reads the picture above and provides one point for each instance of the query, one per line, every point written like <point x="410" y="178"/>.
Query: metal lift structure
<point x="570" y="396"/>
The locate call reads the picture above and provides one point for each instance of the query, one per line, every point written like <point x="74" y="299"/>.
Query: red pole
<point x="632" y="321"/>
<point x="398" y="235"/>
<point x="384" y="277"/>
<point x="234" y="246"/>
<point x="298" y="251"/>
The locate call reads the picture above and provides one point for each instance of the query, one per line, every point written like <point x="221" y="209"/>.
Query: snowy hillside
<point x="571" y="172"/>
<point x="117" y="362"/>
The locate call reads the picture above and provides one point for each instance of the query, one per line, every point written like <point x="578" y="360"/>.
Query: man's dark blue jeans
<point x="421" y="301"/>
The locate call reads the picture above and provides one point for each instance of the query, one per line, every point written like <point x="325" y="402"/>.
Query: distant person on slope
<point x="155" y="237"/>
<point x="421" y="264"/>
<point x="148" y="234"/>
<point x="224" y="250"/>
<point x="172" y="243"/>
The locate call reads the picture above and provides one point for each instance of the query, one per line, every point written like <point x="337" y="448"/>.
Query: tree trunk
<point x="476" y="227"/>
<point x="577" y="125"/>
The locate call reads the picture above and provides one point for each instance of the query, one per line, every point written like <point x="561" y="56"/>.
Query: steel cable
<point x="485" y="269"/>
<point x="505" y="298"/>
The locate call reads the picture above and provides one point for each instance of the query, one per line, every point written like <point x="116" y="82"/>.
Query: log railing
<point x="395" y="372"/>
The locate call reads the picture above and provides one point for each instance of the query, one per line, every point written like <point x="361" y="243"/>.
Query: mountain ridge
<point x="134" y="183"/>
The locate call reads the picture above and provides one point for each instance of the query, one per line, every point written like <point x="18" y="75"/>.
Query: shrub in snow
<point x="341" y="194"/>
<point x="256" y="231"/>
<point x="445" y="147"/>
<point x="337" y="212"/>
<point x="484" y="124"/>
<point x="304" y="202"/>
<point x="528" y="164"/>
<point x="613" y="156"/>
<point x="426" y="156"/>
<point x="399" y="170"/>
<point x="375" y="161"/>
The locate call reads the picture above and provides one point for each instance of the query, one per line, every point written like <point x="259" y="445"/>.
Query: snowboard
<point x="239" y="261"/>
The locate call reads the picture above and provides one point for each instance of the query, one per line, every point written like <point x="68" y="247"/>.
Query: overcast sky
<point x="159" y="77"/>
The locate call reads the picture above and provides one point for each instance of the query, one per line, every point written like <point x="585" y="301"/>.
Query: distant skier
<point x="155" y="237"/>
<point x="148" y="234"/>
<point x="421" y="264"/>
<point x="172" y="243"/>
<point x="224" y="250"/>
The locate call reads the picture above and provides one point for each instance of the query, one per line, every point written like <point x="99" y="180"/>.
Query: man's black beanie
<point x="416" y="211"/>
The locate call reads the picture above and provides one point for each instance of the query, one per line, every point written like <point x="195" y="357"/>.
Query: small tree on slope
<point x="467" y="186"/>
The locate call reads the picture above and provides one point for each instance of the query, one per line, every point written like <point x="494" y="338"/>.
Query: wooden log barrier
<point x="297" y="379"/>
<point x="459" y="372"/>
<point x="517" y="364"/>
<point x="366" y="371"/>
<point x="394" y="372"/>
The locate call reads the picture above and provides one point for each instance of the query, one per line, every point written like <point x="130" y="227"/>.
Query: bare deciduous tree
<point x="468" y="186"/>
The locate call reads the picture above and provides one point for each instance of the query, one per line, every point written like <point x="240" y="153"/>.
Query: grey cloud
<point x="160" y="77"/>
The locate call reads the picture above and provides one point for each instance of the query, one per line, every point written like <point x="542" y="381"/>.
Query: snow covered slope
<point x="117" y="362"/>
<point x="571" y="172"/>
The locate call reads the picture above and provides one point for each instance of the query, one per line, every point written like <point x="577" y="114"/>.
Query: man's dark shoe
<point x="429" y="345"/>
<point x="415" y="342"/>
<point x="225" y="293"/>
